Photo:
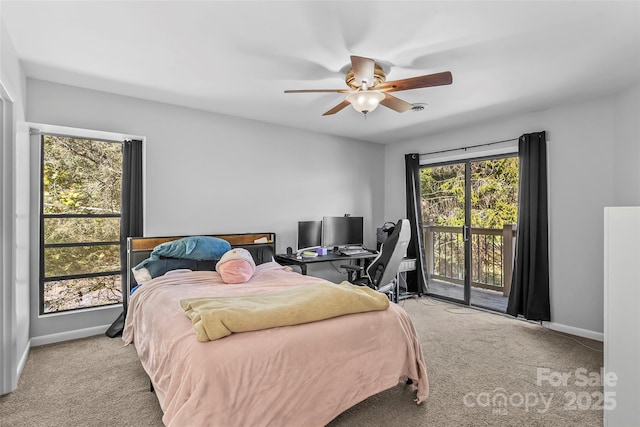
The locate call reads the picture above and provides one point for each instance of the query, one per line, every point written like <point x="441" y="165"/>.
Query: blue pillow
<point x="198" y="248"/>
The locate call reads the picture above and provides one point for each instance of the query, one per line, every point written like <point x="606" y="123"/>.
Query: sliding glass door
<point x="469" y="211"/>
<point x="444" y="213"/>
<point x="494" y="213"/>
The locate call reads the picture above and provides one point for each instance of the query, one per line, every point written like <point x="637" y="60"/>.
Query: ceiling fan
<point x="369" y="88"/>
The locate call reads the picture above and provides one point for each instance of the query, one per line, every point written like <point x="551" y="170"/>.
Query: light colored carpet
<point x="472" y="356"/>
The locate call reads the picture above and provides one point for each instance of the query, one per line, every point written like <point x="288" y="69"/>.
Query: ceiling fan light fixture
<point x="369" y="88"/>
<point x="365" y="101"/>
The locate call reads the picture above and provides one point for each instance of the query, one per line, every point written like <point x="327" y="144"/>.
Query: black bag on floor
<point x="116" y="327"/>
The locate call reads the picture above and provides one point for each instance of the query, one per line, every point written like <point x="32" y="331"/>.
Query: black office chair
<point x="383" y="270"/>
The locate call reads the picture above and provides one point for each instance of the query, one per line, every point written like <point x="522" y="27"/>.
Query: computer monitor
<point x="342" y="231"/>
<point x="309" y="234"/>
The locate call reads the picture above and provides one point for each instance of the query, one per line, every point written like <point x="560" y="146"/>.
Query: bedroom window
<point x="80" y="223"/>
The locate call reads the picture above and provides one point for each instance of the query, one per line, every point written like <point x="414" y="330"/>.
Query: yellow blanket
<point x="215" y="318"/>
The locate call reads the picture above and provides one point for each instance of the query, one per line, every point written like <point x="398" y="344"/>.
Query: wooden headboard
<point x="139" y="249"/>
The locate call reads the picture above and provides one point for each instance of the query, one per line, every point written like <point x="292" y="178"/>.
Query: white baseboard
<point x="70" y="335"/>
<point x="23" y="359"/>
<point x="585" y="333"/>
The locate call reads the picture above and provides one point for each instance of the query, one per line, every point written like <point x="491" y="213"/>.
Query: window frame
<point x="43" y="246"/>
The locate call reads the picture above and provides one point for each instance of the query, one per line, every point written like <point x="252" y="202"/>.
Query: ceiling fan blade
<point x="396" y="104"/>
<point x="363" y="69"/>
<point x="337" y="108"/>
<point x="438" y="79"/>
<point x="316" y="90"/>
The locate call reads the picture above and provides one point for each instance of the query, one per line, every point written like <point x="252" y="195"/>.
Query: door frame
<point x="8" y="352"/>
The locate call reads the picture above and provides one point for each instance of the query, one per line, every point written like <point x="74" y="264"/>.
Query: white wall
<point x="583" y="147"/>
<point x="626" y="154"/>
<point x="622" y="319"/>
<point x="14" y="182"/>
<point x="208" y="173"/>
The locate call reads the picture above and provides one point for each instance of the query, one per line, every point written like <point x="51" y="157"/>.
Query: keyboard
<point x="352" y="252"/>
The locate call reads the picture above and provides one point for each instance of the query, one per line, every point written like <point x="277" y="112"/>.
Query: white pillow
<point x="178" y="271"/>
<point x="142" y="275"/>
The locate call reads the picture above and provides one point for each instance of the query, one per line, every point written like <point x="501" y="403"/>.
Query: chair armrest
<point x="355" y="268"/>
<point x="353" y="272"/>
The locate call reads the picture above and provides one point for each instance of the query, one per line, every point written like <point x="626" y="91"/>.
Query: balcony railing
<point x="492" y="253"/>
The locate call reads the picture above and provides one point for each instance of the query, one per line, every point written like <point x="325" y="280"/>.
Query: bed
<point x="300" y="375"/>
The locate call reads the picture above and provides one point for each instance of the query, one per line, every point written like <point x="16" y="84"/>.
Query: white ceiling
<point x="238" y="57"/>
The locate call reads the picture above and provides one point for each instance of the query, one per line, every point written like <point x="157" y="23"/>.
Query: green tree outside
<point x="494" y="193"/>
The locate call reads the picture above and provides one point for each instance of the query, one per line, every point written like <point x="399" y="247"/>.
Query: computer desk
<point x="407" y="264"/>
<point x="303" y="262"/>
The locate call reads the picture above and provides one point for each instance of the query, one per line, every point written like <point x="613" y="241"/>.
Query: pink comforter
<point x="303" y="375"/>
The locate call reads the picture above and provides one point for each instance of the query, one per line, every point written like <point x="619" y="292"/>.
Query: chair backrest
<point x="384" y="268"/>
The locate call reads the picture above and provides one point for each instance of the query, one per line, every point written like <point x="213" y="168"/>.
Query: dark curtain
<point x="417" y="279"/>
<point x="529" y="295"/>
<point x="130" y="218"/>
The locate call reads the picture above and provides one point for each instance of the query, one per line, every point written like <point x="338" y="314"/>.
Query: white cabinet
<point x="622" y="313"/>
